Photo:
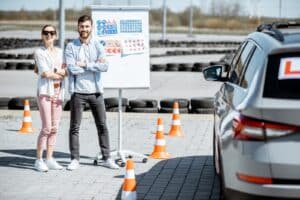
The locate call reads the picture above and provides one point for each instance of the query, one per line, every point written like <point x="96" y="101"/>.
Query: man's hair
<point x="84" y="18"/>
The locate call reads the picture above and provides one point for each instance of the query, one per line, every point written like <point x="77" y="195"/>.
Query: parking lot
<point x="188" y="174"/>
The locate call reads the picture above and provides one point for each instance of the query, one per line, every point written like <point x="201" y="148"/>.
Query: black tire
<point x="31" y="66"/>
<point x="2" y="65"/>
<point x="186" y="67"/>
<point x="172" y="67"/>
<point x="143" y="110"/>
<point x="116" y="109"/>
<point x="170" y="110"/>
<point x="17" y="103"/>
<point x="11" y="66"/>
<point x="122" y="164"/>
<point x="170" y="53"/>
<point x="23" y="66"/>
<point x="30" y="56"/>
<point x="177" y="53"/>
<point x="3" y="55"/>
<point x="95" y="162"/>
<point x="143" y="103"/>
<point x="202" y="110"/>
<point x="197" y="67"/>
<point x="202" y="102"/>
<point x="137" y="103"/>
<point x="151" y="103"/>
<point x="11" y="56"/>
<point x="214" y="63"/>
<point x="168" y="103"/>
<point x="22" y="56"/>
<point x="114" y="102"/>
<point x="158" y="67"/>
<point x="4" y="103"/>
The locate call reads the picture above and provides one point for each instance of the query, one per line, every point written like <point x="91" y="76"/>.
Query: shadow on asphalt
<point x="24" y="158"/>
<point x="12" y="130"/>
<point x="182" y="178"/>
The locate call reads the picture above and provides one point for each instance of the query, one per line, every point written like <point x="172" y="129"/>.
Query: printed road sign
<point x="289" y="68"/>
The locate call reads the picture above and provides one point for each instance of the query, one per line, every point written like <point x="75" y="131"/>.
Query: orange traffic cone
<point x="27" y="122"/>
<point x="159" y="151"/>
<point x="129" y="185"/>
<point x="176" y="129"/>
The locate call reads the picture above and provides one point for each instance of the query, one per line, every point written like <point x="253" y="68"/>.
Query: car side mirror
<point x="213" y="73"/>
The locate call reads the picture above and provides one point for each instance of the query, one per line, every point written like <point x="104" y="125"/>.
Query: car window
<point x="237" y="69"/>
<point x="255" y="62"/>
<point x="238" y="53"/>
<point x="283" y="76"/>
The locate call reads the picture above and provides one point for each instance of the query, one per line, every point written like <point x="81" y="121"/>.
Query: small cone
<point x="27" y="122"/>
<point x="159" y="151"/>
<point x="176" y="129"/>
<point x="129" y="185"/>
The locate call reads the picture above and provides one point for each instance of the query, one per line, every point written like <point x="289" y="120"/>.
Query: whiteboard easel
<point x="125" y="32"/>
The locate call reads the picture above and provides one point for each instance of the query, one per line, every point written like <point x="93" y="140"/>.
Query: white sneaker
<point x="52" y="164"/>
<point x="73" y="165"/>
<point x="40" y="165"/>
<point x="109" y="163"/>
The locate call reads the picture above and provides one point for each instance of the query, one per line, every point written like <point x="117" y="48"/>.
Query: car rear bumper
<point x="238" y="195"/>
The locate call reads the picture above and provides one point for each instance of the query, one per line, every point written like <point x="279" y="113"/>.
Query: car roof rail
<point x="273" y="29"/>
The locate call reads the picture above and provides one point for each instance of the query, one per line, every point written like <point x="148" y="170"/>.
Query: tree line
<point x="220" y="17"/>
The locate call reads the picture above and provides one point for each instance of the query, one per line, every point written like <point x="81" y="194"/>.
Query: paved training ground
<point x="189" y="174"/>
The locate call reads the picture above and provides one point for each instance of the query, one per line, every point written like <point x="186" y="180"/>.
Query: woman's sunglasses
<point x="47" y="32"/>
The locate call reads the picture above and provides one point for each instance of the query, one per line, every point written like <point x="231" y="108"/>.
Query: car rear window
<point x="283" y="76"/>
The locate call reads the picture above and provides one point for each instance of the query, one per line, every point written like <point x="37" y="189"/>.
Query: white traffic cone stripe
<point x="129" y="174"/>
<point x="176" y="111"/>
<point x="26" y="107"/>
<point x="160" y="142"/>
<point x="128" y="195"/>
<point x="160" y="127"/>
<point x="176" y="122"/>
<point x="27" y="119"/>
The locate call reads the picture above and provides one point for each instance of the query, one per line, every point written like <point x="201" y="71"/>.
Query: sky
<point x="289" y="8"/>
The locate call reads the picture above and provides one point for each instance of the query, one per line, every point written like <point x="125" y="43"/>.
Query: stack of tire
<point x="202" y="105"/>
<point x="199" y="66"/>
<point x="172" y="67"/>
<point x="4" y="103"/>
<point x="2" y="65"/>
<point x="66" y="105"/>
<point x="17" y="103"/>
<point x="158" y="67"/>
<point x="112" y="104"/>
<point x="143" y="106"/>
<point x="166" y="105"/>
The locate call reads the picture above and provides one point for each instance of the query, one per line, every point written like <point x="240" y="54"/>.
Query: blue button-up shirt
<point x="88" y="79"/>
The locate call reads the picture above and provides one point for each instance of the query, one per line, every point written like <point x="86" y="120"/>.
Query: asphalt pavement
<point x="188" y="174"/>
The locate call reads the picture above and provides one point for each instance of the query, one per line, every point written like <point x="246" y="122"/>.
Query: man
<point x="85" y="59"/>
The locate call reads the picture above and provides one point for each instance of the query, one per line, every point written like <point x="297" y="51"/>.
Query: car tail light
<point x="254" y="179"/>
<point x="246" y="128"/>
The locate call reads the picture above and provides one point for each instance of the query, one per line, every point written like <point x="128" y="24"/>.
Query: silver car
<point x="257" y="116"/>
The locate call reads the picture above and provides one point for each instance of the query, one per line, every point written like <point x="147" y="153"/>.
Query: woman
<point x="50" y="95"/>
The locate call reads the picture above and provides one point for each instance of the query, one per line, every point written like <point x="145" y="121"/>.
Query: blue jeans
<point x="97" y="106"/>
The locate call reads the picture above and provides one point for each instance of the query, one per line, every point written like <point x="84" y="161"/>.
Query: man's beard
<point x="84" y="34"/>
